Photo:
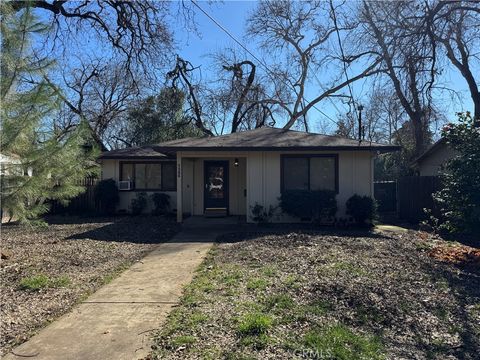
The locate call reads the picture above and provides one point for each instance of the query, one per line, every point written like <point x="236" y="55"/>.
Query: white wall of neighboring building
<point x="431" y="165"/>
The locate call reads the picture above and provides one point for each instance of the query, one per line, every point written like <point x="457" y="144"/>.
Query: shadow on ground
<point x="141" y="229"/>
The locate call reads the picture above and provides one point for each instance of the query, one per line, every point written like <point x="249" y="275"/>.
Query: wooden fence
<point x="385" y="193"/>
<point x="82" y="204"/>
<point x="414" y="193"/>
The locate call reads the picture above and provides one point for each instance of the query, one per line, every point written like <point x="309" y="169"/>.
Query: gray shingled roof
<point x="268" y="139"/>
<point x="263" y="139"/>
<point x="145" y="152"/>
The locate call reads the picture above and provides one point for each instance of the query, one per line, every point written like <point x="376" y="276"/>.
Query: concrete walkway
<point x="116" y="322"/>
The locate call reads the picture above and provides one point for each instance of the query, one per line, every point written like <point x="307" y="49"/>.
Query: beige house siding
<point x="431" y="165"/>
<point x="355" y="176"/>
<point x="193" y="181"/>
<point x="259" y="173"/>
<point x="257" y="179"/>
<point x="111" y="170"/>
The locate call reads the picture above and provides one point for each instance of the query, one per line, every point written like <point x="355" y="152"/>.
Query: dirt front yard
<point x="328" y="296"/>
<point x="46" y="271"/>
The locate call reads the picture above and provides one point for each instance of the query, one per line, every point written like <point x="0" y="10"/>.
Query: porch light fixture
<point x="235" y="162"/>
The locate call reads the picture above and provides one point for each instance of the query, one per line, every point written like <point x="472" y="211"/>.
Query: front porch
<point x="210" y="185"/>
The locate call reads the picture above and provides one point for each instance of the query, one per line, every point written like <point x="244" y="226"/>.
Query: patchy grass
<point x="339" y="342"/>
<point x="51" y="269"/>
<point x="41" y="281"/>
<point x="254" y="324"/>
<point x="34" y="283"/>
<point x="341" y="296"/>
<point x="257" y="284"/>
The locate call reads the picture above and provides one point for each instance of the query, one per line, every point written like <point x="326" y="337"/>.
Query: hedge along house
<point x="230" y="174"/>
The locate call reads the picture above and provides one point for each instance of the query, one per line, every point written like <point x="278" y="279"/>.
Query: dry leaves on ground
<point x="45" y="272"/>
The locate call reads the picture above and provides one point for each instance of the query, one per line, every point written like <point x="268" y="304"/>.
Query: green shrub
<point x="106" y="196"/>
<point x="139" y="203"/>
<point x="459" y="200"/>
<point x="305" y="204"/>
<point x="161" y="203"/>
<point x="261" y="215"/>
<point x="361" y="208"/>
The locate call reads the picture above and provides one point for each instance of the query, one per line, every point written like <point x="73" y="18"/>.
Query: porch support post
<point x="179" y="188"/>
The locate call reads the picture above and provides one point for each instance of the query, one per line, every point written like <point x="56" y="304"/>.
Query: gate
<point x="385" y="193"/>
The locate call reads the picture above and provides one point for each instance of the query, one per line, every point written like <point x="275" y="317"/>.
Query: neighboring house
<point x="9" y="163"/>
<point x="430" y="163"/>
<point x="229" y="174"/>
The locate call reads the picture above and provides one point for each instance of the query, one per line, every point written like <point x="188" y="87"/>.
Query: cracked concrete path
<point x="116" y="321"/>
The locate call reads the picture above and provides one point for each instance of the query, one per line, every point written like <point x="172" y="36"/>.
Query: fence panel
<point x="385" y="193"/>
<point x="414" y="193"/>
<point x="82" y="204"/>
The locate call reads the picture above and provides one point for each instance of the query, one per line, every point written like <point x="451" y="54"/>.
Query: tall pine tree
<point x="39" y="164"/>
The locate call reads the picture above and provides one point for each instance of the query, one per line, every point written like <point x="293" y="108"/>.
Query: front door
<point x="216" y="186"/>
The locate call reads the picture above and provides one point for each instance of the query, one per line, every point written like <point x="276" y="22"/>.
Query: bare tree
<point x="455" y="25"/>
<point x="236" y="101"/>
<point x="98" y="94"/>
<point x="303" y="32"/>
<point x="181" y="78"/>
<point x="408" y="59"/>
<point x="137" y="31"/>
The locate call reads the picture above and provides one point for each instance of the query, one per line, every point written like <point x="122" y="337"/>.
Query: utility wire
<point x="261" y="63"/>
<point x="343" y="55"/>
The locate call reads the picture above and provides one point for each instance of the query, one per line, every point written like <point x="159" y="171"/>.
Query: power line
<point x="261" y="63"/>
<point x="343" y="55"/>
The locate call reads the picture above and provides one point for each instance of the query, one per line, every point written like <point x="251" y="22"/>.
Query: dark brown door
<point x="216" y="185"/>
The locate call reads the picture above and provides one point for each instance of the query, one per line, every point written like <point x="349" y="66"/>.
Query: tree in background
<point x="459" y="200"/>
<point x="157" y="118"/>
<point x="48" y="165"/>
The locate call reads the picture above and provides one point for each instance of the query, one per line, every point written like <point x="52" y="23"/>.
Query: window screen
<point x="295" y="173"/>
<point x="169" y="180"/>
<point x="150" y="175"/>
<point x="127" y="172"/>
<point x="322" y="173"/>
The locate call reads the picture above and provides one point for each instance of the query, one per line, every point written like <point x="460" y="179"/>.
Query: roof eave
<point x="133" y="157"/>
<point x="386" y="148"/>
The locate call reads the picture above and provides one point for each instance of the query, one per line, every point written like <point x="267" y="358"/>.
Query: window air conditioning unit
<point x="124" y="185"/>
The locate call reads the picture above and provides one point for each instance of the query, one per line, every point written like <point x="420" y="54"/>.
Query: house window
<point x="309" y="172"/>
<point x="149" y="175"/>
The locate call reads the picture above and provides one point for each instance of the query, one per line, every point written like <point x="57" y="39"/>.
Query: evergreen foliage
<point x="159" y="118"/>
<point x="161" y="203"/>
<point x="139" y="204"/>
<point x="459" y="200"/>
<point x="38" y="162"/>
<point x="361" y="208"/>
<point x="312" y="204"/>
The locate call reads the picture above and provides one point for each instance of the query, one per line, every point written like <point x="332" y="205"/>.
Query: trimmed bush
<point x="106" y="196"/>
<point x="261" y="215"/>
<point x="362" y="208"/>
<point x="139" y="204"/>
<point x="314" y="205"/>
<point x="161" y="203"/>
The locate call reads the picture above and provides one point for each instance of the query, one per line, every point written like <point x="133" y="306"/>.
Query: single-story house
<point x="431" y="162"/>
<point x="230" y="174"/>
